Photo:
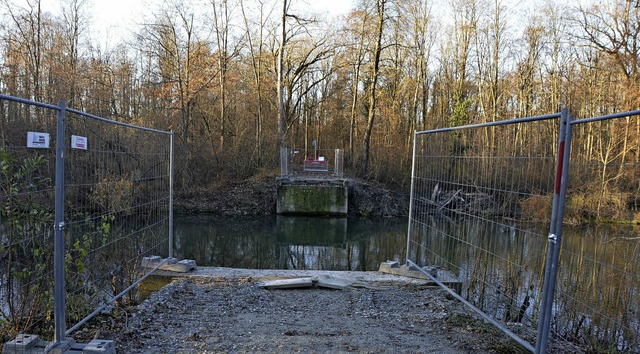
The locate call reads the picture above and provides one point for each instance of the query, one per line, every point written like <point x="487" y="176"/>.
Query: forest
<point x="237" y="79"/>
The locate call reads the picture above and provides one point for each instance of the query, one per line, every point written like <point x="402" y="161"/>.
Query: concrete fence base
<point x="31" y="344"/>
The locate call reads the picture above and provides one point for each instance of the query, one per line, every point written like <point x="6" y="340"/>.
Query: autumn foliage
<point x="362" y="82"/>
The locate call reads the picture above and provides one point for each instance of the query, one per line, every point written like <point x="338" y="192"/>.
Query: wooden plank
<point x="295" y="283"/>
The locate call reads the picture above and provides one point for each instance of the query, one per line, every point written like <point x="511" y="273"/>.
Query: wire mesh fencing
<point x="493" y="203"/>
<point x="117" y="194"/>
<point x="599" y="273"/>
<point x="27" y="169"/>
<point x="312" y="162"/>
<point x="77" y="219"/>
<point x="480" y="205"/>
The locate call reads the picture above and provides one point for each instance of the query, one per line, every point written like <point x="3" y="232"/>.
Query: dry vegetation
<point x="363" y="82"/>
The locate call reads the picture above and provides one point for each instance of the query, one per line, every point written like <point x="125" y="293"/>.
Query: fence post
<point x="413" y="175"/>
<point x="171" y="167"/>
<point x="339" y="158"/>
<point x="284" y="162"/>
<point x="59" y="281"/>
<point x="555" y="233"/>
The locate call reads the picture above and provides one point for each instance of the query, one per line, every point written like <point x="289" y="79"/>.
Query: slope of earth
<point x="257" y="196"/>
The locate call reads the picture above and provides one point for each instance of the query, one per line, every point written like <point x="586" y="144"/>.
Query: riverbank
<point x="257" y="196"/>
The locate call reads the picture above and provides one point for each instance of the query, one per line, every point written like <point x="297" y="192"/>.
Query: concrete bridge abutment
<point x="309" y="196"/>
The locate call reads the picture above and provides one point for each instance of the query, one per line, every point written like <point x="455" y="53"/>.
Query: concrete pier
<point x="313" y="196"/>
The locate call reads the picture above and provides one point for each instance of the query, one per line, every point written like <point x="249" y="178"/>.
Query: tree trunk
<point x="281" y="115"/>
<point x="256" y="64"/>
<point x="221" y="27"/>
<point x="374" y="80"/>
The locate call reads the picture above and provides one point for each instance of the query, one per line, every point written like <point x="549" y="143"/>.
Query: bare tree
<point x="380" y="21"/>
<point x="422" y="38"/>
<point x="257" y="67"/>
<point x="283" y="41"/>
<point x="464" y="32"/>
<point x="490" y="52"/>
<point x="556" y="15"/>
<point x="356" y="30"/>
<point x="29" y="29"/>
<point x="182" y="73"/>
<point x="222" y="14"/>
<point x="614" y="28"/>
<point x="528" y="67"/>
<point x="303" y="48"/>
<point x="74" y="24"/>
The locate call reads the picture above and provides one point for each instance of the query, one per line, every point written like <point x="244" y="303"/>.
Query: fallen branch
<point x="441" y="206"/>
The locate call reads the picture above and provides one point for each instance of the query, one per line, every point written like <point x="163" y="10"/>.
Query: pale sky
<point x="115" y="19"/>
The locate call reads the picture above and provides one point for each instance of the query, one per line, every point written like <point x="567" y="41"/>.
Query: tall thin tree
<point x="375" y="71"/>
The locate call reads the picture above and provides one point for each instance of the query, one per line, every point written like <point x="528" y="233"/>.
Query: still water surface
<point x="288" y="242"/>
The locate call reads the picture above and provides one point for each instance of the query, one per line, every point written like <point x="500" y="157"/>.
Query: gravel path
<point x="207" y="315"/>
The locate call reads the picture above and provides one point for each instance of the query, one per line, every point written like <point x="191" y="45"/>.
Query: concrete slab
<point x="100" y="346"/>
<point x="295" y="283"/>
<point x="395" y="269"/>
<point x="21" y="343"/>
<point x="321" y="281"/>
<point x="359" y="278"/>
<point x="445" y="276"/>
<point x="385" y="267"/>
<point x="171" y="265"/>
<point x="329" y="282"/>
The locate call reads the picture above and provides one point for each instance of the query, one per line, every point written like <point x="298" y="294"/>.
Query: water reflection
<point x="287" y="242"/>
<point x="501" y="267"/>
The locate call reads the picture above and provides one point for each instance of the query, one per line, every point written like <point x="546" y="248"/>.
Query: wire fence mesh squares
<point x="27" y="166"/>
<point x="100" y="188"/>
<point x="481" y="202"/>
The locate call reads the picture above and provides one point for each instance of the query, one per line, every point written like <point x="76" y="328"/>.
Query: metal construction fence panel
<point x="479" y="198"/>
<point x="295" y="161"/>
<point x="27" y="203"/>
<point x="598" y="289"/>
<point x="117" y="194"/>
<point x="67" y="256"/>
<point x="493" y="203"/>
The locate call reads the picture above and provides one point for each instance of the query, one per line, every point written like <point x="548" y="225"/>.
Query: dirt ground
<point x="236" y="315"/>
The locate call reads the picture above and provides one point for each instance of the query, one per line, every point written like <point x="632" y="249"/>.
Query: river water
<point x="287" y="242"/>
<point x="295" y="242"/>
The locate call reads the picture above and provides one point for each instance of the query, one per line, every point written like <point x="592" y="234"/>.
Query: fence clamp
<point x="61" y="225"/>
<point x="553" y="238"/>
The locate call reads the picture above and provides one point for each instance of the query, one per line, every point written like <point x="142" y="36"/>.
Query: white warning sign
<point x="79" y="142"/>
<point x="37" y="140"/>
